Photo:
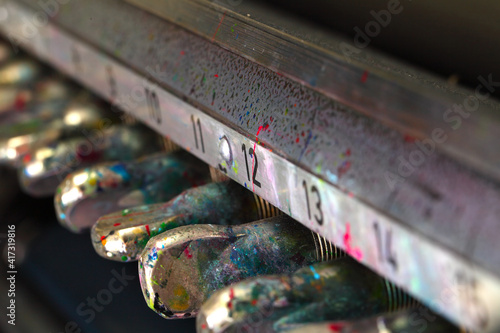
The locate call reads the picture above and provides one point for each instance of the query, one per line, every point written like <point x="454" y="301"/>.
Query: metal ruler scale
<point x="444" y="280"/>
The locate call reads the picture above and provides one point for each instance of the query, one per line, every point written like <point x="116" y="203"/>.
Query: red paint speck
<point x="258" y="131"/>
<point x="354" y="252"/>
<point x="409" y="138"/>
<point x="231" y="293"/>
<point x="116" y="224"/>
<point x="271" y="118"/>
<point x="255" y="148"/>
<point x="342" y="170"/>
<point x="203" y="326"/>
<point x="27" y="158"/>
<point x="83" y="153"/>
<point x="348" y="152"/>
<point x="303" y="134"/>
<point x="183" y="53"/>
<point x="217" y="30"/>
<point x="294" y="105"/>
<point x="297" y="140"/>
<point x="186" y="252"/>
<point x="335" y="327"/>
<point x="254" y="302"/>
<point x="364" y="76"/>
<point x="216" y="75"/>
<point x="193" y="181"/>
<point x="103" y="238"/>
<point x="147" y="230"/>
<point x="20" y="102"/>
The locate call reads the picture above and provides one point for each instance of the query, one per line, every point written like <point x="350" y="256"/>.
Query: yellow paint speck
<point x="179" y="301"/>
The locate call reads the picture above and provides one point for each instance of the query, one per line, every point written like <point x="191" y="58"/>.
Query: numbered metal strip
<point x="443" y="280"/>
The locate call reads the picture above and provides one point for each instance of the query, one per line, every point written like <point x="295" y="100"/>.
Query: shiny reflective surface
<point x="13" y="98"/>
<point x="44" y="168"/>
<point x="335" y="290"/>
<point x="57" y="119"/>
<point x="20" y="71"/>
<point x="416" y="320"/>
<point x="181" y="268"/>
<point x="21" y="103"/>
<point x="123" y="235"/>
<point x="89" y="193"/>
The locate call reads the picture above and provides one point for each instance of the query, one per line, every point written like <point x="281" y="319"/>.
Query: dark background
<point x="58" y="270"/>
<point x="446" y="37"/>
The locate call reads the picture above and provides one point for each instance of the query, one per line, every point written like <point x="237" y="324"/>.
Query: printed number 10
<point x="153" y="105"/>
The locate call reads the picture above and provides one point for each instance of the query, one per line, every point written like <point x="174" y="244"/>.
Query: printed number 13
<point x="314" y="189"/>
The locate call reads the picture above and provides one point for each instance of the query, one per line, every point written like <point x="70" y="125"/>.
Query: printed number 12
<point x="253" y="154"/>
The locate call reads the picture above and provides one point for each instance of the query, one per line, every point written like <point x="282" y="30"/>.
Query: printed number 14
<point x="385" y="248"/>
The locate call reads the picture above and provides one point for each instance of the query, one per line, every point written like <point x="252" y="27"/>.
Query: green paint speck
<point x="318" y="168"/>
<point x="235" y="167"/>
<point x="124" y="258"/>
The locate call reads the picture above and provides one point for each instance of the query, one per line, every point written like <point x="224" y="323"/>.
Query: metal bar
<point x="408" y="99"/>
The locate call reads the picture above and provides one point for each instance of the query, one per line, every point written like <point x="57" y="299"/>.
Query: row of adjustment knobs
<point x="206" y="249"/>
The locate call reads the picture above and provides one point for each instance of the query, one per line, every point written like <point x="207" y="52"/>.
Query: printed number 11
<point x="197" y="122"/>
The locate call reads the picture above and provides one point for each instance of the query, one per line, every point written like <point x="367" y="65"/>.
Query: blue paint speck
<point x="154" y="255"/>
<point x="120" y="169"/>
<point x="332" y="177"/>
<point x="316" y="275"/>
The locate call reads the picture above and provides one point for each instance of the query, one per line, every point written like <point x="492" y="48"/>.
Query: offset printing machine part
<point x="414" y="254"/>
<point x="106" y="187"/>
<point x="123" y="235"/>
